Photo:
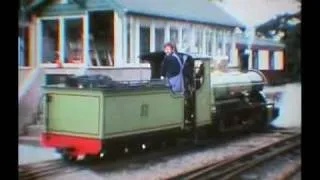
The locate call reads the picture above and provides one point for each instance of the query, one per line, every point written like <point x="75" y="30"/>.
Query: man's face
<point x="168" y="50"/>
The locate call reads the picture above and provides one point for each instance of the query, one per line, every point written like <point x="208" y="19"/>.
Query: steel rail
<point x="258" y="160"/>
<point x="289" y="172"/>
<point x="41" y="169"/>
<point x="42" y="163"/>
<point x="230" y="167"/>
<point x="51" y="167"/>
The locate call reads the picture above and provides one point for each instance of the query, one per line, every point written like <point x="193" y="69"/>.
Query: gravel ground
<point x="166" y="167"/>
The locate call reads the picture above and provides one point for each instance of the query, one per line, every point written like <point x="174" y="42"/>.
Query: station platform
<point x="30" y="151"/>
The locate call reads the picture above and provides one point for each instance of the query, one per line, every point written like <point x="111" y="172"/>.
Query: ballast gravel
<point x="166" y="167"/>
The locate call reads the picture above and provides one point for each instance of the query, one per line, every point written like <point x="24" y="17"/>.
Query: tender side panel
<point x="141" y="112"/>
<point x="74" y="114"/>
<point x="76" y="145"/>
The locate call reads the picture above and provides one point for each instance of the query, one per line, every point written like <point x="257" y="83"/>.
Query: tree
<point x="287" y="27"/>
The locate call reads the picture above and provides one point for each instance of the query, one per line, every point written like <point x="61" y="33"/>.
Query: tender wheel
<point x="68" y="157"/>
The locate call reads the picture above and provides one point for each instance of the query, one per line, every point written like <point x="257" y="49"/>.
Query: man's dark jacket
<point x="170" y="66"/>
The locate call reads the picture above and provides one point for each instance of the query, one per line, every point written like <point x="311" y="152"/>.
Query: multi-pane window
<point x="209" y="43"/>
<point x="144" y="40"/>
<point x="186" y="40"/>
<point x="174" y="36"/>
<point x="159" y="38"/>
<point x="129" y="36"/>
<point x="228" y="51"/>
<point x="23" y="47"/>
<point x="50" y="41"/>
<point x="21" y="52"/>
<point x="62" y="40"/>
<point x="219" y="43"/>
<point x="191" y="40"/>
<point x="199" y="40"/>
<point x="73" y="47"/>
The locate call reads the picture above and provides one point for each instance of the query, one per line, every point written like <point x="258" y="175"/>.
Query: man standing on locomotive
<point x="172" y="68"/>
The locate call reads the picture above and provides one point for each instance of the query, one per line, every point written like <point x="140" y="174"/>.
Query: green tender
<point x="97" y="113"/>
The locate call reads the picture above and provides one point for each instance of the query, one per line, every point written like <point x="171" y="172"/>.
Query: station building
<point x="64" y="37"/>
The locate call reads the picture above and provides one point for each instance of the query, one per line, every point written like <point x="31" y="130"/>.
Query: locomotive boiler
<point x="227" y="85"/>
<point x="91" y="116"/>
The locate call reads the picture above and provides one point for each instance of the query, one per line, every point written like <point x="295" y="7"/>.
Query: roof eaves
<point x="34" y="4"/>
<point x="120" y="8"/>
<point x="175" y="17"/>
<point x="37" y="3"/>
<point x="262" y="42"/>
<point x="81" y="3"/>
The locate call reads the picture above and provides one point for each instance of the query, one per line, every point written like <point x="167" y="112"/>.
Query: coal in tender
<point x="90" y="81"/>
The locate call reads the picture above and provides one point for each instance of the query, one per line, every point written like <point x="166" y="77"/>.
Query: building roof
<point x="261" y="43"/>
<point x="201" y="11"/>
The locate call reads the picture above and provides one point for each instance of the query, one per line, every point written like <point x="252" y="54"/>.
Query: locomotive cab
<point x="196" y="85"/>
<point x="155" y="60"/>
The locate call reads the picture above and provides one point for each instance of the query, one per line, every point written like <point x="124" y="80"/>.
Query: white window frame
<point x="21" y="54"/>
<point x="159" y="26"/>
<point x="214" y="43"/>
<point x="146" y="25"/>
<point x="134" y="46"/>
<point x="174" y="27"/>
<point x="234" y="59"/>
<point x="195" y="32"/>
<point x="187" y="30"/>
<point x="219" y="36"/>
<point x="61" y="21"/>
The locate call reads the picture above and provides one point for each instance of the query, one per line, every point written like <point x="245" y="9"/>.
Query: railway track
<point x="234" y="166"/>
<point x="42" y="169"/>
<point x="56" y="167"/>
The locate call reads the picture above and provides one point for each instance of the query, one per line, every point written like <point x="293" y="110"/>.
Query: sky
<point x="255" y="12"/>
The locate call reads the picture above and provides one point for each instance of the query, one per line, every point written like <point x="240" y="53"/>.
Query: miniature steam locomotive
<point x="89" y="117"/>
